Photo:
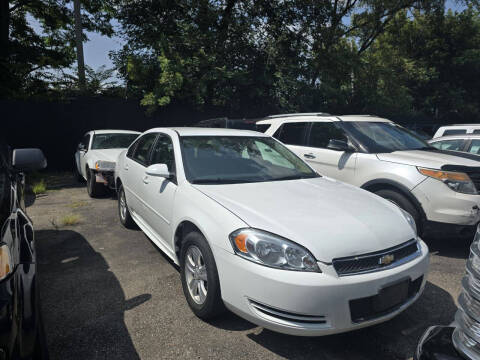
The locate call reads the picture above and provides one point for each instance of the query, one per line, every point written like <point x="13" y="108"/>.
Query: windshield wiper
<point x="296" y="177"/>
<point x="218" y="181"/>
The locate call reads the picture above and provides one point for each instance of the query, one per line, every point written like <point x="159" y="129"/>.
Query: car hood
<point x="433" y="159"/>
<point x="106" y="154"/>
<point x="330" y="218"/>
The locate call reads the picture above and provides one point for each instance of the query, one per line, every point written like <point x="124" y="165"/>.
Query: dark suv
<point x="20" y="325"/>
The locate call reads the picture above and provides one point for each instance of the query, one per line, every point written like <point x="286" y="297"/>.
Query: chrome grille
<point x="373" y="261"/>
<point x="475" y="177"/>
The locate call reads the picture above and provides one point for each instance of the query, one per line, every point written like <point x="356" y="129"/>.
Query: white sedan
<point x="96" y="155"/>
<point x="255" y="229"/>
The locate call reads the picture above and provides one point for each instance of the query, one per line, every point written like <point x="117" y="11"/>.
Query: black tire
<point x="126" y="219"/>
<point x="213" y="304"/>
<point x="94" y="189"/>
<point x="401" y="201"/>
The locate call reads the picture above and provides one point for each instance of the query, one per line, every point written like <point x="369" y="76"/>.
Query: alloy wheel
<point x="196" y="274"/>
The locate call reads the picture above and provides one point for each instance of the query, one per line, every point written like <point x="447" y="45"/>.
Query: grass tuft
<point x="70" y="220"/>
<point x="39" y="187"/>
<point x="78" y="204"/>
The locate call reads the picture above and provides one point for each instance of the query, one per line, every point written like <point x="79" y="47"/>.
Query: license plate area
<point x="388" y="300"/>
<point x="391" y="296"/>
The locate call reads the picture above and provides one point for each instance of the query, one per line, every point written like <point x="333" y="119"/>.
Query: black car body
<point x="20" y="320"/>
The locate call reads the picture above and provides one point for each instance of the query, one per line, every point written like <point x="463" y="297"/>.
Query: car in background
<point x="226" y="123"/>
<point x="257" y="230"/>
<point x="469" y="143"/>
<point x="21" y="330"/>
<point x="441" y="190"/>
<point x="96" y="155"/>
<point x="461" y="340"/>
<point x="459" y="129"/>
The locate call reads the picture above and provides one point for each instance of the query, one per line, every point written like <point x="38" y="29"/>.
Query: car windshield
<point x="381" y="137"/>
<point x="112" y="141"/>
<point x="240" y="159"/>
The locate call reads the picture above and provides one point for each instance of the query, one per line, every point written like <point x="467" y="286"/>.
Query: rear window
<point x="454" y="132"/>
<point x="292" y="133"/>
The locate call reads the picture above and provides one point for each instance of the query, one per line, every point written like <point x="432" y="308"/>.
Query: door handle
<point x="145" y="180"/>
<point x="309" y="156"/>
<point x="125" y="167"/>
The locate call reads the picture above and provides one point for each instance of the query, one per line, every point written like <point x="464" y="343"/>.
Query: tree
<point x="245" y="54"/>
<point x="28" y="57"/>
<point x="425" y="63"/>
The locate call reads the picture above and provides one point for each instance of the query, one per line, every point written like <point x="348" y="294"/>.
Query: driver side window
<point x="163" y="152"/>
<point x="322" y="132"/>
<point x="142" y="150"/>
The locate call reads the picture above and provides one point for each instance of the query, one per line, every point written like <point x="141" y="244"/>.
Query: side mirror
<point x="339" y="145"/>
<point x="81" y="147"/>
<point x="28" y="160"/>
<point x="159" y="170"/>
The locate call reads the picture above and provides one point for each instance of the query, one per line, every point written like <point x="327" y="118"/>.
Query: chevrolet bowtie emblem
<point x="386" y="259"/>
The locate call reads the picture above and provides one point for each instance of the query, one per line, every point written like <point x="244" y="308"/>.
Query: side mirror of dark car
<point x="28" y="160"/>
<point x="339" y="145"/>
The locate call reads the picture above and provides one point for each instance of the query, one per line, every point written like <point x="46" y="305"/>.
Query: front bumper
<point x="308" y="304"/>
<point x="105" y="177"/>
<point x="443" y="205"/>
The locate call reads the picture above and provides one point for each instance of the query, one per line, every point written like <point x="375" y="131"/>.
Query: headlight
<point x="457" y="181"/>
<point x="6" y="265"/>
<point x="410" y="220"/>
<point x="102" y="165"/>
<point x="272" y="250"/>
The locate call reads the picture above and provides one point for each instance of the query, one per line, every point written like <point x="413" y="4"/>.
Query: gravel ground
<point x="109" y="293"/>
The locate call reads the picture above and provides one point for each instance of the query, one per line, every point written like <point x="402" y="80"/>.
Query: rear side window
<point x="292" y="133"/>
<point x="143" y="147"/>
<point x="454" y="145"/>
<point x="322" y="132"/>
<point x="454" y="132"/>
<point x="474" y="147"/>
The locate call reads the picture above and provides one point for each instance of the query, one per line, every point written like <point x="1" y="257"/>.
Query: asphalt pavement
<point x="109" y="293"/>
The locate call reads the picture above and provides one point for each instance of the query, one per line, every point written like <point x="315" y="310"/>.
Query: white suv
<point x="436" y="187"/>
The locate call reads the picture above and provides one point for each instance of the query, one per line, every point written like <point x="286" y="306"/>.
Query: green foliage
<point x="39" y="187"/>
<point x="28" y="58"/>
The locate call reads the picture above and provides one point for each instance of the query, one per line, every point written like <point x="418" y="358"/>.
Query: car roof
<point x="114" y="131"/>
<point x="459" y="125"/>
<point x="202" y="131"/>
<point x="456" y="137"/>
<point x="317" y="117"/>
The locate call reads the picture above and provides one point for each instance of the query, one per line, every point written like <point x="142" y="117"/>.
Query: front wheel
<point x="200" y="277"/>
<point x="94" y="189"/>
<point x="123" y="212"/>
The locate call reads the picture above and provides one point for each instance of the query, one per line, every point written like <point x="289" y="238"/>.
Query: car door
<point x="293" y="134"/>
<point x="80" y="155"/>
<point x="338" y="164"/>
<point x="160" y="192"/>
<point x="134" y="168"/>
